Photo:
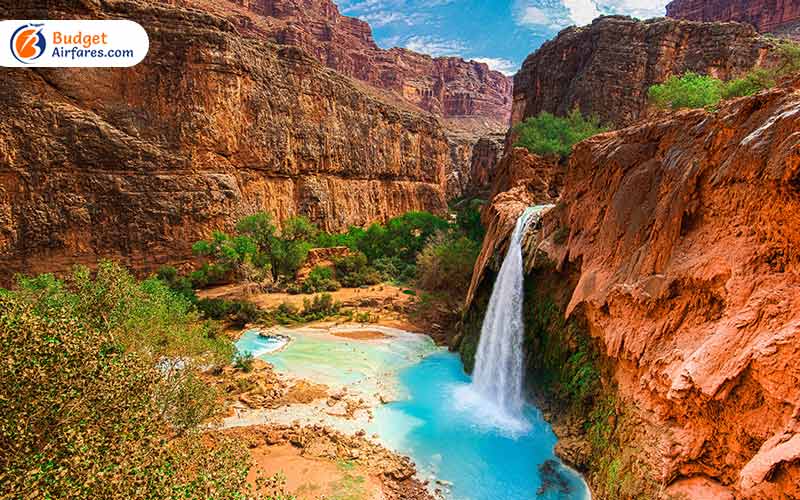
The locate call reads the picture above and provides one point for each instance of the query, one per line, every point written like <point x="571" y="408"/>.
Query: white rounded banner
<point x="72" y="44"/>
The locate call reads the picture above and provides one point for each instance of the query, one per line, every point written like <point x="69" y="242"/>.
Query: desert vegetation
<point x="102" y="395"/>
<point x="692" y="90"/>
<point x="550" y="135"/>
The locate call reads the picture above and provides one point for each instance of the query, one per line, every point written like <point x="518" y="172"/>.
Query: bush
<point x="217" y="309"/>
<point x="752" y="83"/>
<point x="242" y="313"/>
<point x="353" y="271"/>
<point x="100" y="392"/>
<point x="468" y="220"/>
<point x="701" y="91"/>
<point x="320" y="279"/>
<point x="244" y="361"/>
<point x="547" y="134"/>
<point x="320" y="307"/>
<point x="688" y="91"/>
<point x="446" y="263"/>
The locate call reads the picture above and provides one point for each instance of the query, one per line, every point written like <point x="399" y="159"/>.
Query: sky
<point x="500" y="33"/>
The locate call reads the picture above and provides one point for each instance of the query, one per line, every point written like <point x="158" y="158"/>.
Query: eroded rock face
<point x="605" y="69"/>
<point x="446" y="86"/>
<point x="766" y="15"/>
<point x="486" y="155"/>
<point x="522" y="180"/>
<point x="685" y="232"/>
<point x="136" y="164"/>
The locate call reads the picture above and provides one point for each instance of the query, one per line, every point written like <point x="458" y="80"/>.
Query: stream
<point x="456" y="437"/>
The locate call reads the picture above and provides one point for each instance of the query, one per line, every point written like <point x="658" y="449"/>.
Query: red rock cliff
<point x="684" y="234"/>
<point x="765" y="15"/>
<point x="136" y="164"/>
<point x="606" y="68"/>
<point x="446" y="86"/>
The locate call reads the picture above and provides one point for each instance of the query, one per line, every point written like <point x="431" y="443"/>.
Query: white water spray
<point x="499" y="372"/>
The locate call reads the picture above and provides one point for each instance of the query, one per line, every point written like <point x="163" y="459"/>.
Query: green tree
<point x="101" y="396"/>
<point x="446" y="263"/>
<point x="547" y="134"/>
<point x="690" y="90"/>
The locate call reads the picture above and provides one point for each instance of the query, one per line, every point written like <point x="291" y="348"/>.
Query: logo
<point x="28" y="43"/>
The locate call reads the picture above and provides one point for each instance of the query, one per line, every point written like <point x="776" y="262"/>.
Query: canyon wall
<point x="606" y="68"/>
<point x="768" y="16"/>
<point x="675" y="246"/>
<point x="136" y="164"/>
<point x="445" y="86"/>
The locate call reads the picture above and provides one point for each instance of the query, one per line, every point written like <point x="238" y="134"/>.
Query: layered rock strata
<point x="682" y="234"/>
<point x="136" y="164"/>
<point x="449" y="87"/>
<point x="768" y="16"/>
<point x="606" y="68"/>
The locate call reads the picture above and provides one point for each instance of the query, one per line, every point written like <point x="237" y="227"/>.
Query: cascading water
<point x="499" y="372"/>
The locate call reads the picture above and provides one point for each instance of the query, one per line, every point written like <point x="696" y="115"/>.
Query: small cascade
<point x="499" y="371"/>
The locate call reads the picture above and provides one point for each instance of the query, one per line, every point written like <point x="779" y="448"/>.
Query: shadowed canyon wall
<point x="605" y="68"/>
<point x="768" y="16"/>
<point x="446" y="86"/>
<point x="136" y="164"/>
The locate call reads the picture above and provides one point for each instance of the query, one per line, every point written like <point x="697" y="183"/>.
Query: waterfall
<point x="499" y="371"/>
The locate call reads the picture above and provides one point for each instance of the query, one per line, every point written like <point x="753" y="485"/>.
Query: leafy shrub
<point x="100" y="392"/>
<point x="217" y="309"/>
<point x="243" y="361"/>
<point x="237" y="312"/>
<point x="547" y="134"/>
<point x="320" y="307"/>
<point x="688" y="91"/>
<point x="701" y="91"/>
<point x="468" y="220"/>
<point x="354" y="271"/>
<point x="752" y="83"/>
<point x="395" y="269"/>
<point x="320" y="279"/>
<point x="243" y="312"/>
<point x="446" y="263"/>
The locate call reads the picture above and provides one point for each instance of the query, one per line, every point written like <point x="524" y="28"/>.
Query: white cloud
<point x="379" y="19"/>
<point x="581" y="11"/>
<point x="504" y="66"/>
<point x="556" y="14"/>
<point x="642" y="9"/>
<point x="435" y="46"/>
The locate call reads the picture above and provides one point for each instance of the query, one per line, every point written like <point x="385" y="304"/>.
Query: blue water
<point x="462" y="444"/>
<point x="450" y="432"/>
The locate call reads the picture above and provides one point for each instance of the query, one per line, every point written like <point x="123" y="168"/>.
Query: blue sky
<point x="499" y="32"/>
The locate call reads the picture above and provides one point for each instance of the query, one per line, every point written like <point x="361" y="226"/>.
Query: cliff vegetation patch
<point x="693" y="90"/>
<point x="548" y="135"/>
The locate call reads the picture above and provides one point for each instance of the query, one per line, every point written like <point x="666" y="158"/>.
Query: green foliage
<point x="395" y="269"/>
<point x="243" y="361"/>
<point x="753" y="82"/>
<point x="468" y="220"/>
<point x="320" y="279"/>
<point x="100" y="392"/>
<point x="402" y="237"/>
<point x="320" y="307"/>
<point x="259" y="228"/>
<point x="354" y="271"/>
<point x="547" y="134"/>
<point x="237" y="312"/>
<point x="446" y="263"/>
<point x="688" y="91"/>
<point x="702" y="91"/>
